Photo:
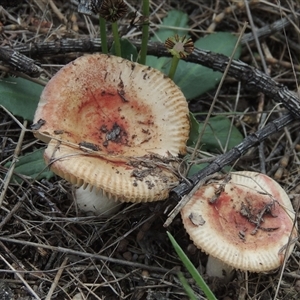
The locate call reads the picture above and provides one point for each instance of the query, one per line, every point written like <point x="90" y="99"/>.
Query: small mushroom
<point x="114" y="126"/>
<point x="246" y="223"/>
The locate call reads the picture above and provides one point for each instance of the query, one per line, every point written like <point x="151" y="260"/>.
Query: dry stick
<point x="56" y="279"/>
<point x="21" y="278"/>
<point x="10" y="172"/>
<point x="269" y="29"/>
<point x="93" y="45"/>
<point x="79" y="282"/>
<point x="20" y="62"/>
<point x="261" y="152"/>
<point x="186" y="198"/>
<point x="252" y="79"/>
<point x="237" y="97"/>
<point x="216" y="96"/>
<point x="228" y="10"/>
<point x="225" y="159"/>
<point x="12" y="211"/>
<point x="260" y="116"/>
<point x="57" y="12"/>
<point x="89" y="255"/>
<point x="255" y="36"/>
<point x="62" y="46"/>
<point x="21" y="74"/>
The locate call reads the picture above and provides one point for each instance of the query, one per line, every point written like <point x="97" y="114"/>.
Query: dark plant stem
<point x="145" y="33"/>
<point x="232" y="155"/>
<point x="115" y="31"/>
<point x="103" y="37"/>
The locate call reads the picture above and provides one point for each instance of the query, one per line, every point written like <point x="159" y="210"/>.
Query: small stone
<point x="127" y="255"/>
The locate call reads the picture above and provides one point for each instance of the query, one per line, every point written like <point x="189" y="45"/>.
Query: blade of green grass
<point x="189" y="291"/>
<point x="145" y="33"/>
<point x="191" y="268"/>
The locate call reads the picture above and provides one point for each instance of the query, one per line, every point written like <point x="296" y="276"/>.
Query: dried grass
<point x="49" y="250"/>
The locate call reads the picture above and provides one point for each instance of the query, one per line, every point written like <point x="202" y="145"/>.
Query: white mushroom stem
<point x="217" y="268"/>
<point x="96" y="202"/>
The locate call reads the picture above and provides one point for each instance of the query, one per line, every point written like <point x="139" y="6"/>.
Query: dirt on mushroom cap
<point x="118" y="110"/>
<point x="247" y="225"/>
<point x="122" y="107"/>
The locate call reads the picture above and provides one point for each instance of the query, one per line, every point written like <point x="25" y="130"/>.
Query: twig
<point x="89" y="255"/>
<point x="270" y="29"/>
<point x="22" y="75"/>
<point x="186" y="198"/>
<point x="225" y="159"/>
<point x="56" y="11"/>
<point x="85" y="286"/>
<point x="10" y="172"/>
<point x="252" y="79"/>
<point x="20" y="277"/>
<point x="12" y="211"/>
<point x="20" y="62"/>
<point x="255" y="36"/>
<point x="56" y="279"/>
<point x="216" y="97"/>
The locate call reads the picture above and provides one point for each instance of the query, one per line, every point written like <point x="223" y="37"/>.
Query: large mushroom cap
<point x="100" y="113"/>
<point x="246" y="223"/>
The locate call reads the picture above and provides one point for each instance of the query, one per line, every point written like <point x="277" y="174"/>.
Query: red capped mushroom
<point x="246" y="223"/>
<point x="115" y="126"/>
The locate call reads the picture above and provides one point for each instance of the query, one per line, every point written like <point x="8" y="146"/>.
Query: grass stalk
<point x="174" y="64"/>
<point x="115" y="31"/>
<point x="103" y="36"/>
<point x="145" y="33"/>
<point x="192" y="270"/>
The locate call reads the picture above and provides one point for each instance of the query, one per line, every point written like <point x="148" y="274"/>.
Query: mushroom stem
<point x="217" y="268"/>
<point x="96" y="202"/>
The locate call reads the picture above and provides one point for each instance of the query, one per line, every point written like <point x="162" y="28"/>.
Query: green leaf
<point x="128" y="50"/>
<point x="193" y="79"/>
<point x="20" y="96"/>
<point x="215" y="135"/>
<point x="191" y="268"/>
<point x="197" y="168"/>
<point x="32" y="165"/>
<point x="175" y="18"/>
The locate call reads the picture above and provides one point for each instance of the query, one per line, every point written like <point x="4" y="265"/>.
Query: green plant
<point x="145" y="33"/>
<point x="112" y="11"/>
<point x="189" y="75"/>
<point x="102" y="23"/>
<point x="179" y="47"/>
<point x="193" y="271"/>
